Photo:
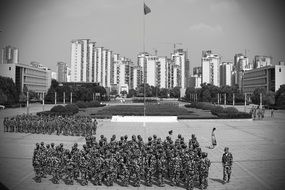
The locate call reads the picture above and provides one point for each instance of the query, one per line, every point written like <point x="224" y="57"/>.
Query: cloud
<point x="205" y="28"/>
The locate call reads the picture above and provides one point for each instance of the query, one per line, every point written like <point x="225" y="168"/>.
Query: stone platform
<point x="146" y="119"/>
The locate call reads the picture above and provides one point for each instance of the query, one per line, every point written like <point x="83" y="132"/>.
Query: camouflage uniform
<point x="55" y="169"/>
<point x="161" y="168"/>
<point x="124" y="175"/>
<point x="150" y="163"/>
<point x="84" y="170"/>
<point x="204" y="166"/>
<point x="227" y="161"/>
<point x="189" y="173"/>
<point x="36" y="163"/>
<point x="177" y="164"/>
<point x="135" y="171"/>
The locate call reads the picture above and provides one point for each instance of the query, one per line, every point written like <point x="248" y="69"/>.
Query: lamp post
<point x="218" y="98"/>
<point x="27" y="102"/>
<point x="233" y="99"/>
<point x="55" y="98"/>
<point x="244" y="102"/>
<point x="225" y="100"/>
<point x="64" y="97"/>
<point x="260" y="97"/>
<point x="43" y="101"/>
<point x="71" y="97"/>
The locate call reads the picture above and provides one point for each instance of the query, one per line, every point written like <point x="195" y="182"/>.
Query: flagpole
<point x="144" y="59"/>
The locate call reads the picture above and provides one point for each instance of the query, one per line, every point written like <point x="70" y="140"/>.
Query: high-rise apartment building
<point x="152" y="70"/>
<point x="241" y="64"/>
<point x="96" y="64"/>
<point x="10" y="55"/>
<point x="262" y="61"/>
<point x="181" y="68"/>
<point x="210" y="64"/>
<point x="79" y="60"/>
<point x="61" y="72"/>
<point x="226" y="76"/>
<point x="124" y="72"/>
<point x="196" y="79"/>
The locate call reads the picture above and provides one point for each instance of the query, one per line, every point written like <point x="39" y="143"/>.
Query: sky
<point x="43" y="29"/>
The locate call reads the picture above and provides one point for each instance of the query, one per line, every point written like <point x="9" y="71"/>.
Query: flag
<point x="146" y="9"/>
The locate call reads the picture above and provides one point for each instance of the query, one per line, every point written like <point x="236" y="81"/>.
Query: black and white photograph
<point x="142" y="94"/>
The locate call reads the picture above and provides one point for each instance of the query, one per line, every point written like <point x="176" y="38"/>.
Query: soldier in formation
<point x="67" y="125"/>
<point x="125" y="162"/>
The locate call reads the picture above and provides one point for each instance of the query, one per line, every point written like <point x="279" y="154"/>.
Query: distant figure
<point x="272" y="112"/>
<point x="227" y="161"/>
<point x="213" y="138"/>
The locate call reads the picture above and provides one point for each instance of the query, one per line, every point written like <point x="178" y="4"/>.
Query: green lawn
<point x="151" y="110"/>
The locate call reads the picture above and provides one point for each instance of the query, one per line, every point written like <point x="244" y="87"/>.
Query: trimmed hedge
<point x="73" y="108"/>
<point x="147" y="100"/>
<point x="82" y="104"/>
<point x="50" y="113"/>
<point x="58" y="109"/>
<point x="69" y="109"/>
<point x="222" y="113"/>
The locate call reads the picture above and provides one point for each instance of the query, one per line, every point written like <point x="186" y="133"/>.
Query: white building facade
<point x="226" y="69"/>
<point x="210" y="64"/>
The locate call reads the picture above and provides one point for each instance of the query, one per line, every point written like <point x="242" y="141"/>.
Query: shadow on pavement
<point x="217" y="180"/>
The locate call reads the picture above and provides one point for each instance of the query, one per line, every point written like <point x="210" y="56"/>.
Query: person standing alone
<point x="213" y="138"/>
<point x="227" y="161"/>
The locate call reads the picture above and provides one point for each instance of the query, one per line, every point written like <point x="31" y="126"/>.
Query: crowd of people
<point x="126" y="161"/>
<point x="60" y="125"/>
<point x="257" y="112"/>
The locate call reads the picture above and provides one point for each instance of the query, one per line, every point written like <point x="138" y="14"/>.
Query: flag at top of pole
<point x="146" y="9"/>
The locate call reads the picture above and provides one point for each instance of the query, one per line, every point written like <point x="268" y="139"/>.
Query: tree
<point x="163" y="93"/>
<point x="3" y="97"/>
<point x="206" y="95"/>
<point x="140" y="90"/>
<point x="280" y="97"/>
<point x="10" y="90"/>
<point x="124" y="93"/>
<point x="114" y="92"/>
<point x="189" y="91"/>
<point x="132" y="93"/>
<point x="49" y="97"/>
<point x="269" y="98"/>
<point x="22" y="98"/>
<point x="255" y="97"/>
<point x="175" y="92"/>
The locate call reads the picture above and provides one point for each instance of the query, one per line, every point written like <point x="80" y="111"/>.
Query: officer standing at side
<point x="227" y="161"/>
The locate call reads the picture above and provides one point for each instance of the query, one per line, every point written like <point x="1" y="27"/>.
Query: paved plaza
<point x="258" y="148"/>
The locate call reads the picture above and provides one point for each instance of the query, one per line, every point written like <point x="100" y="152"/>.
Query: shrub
<point x="73" y="108"/>
<point x="217" y="109"/>
<point x="230" y="110"/>
<point x="50" y="113"/>
<point x="58" y="108"/>
<point x="95" y="104"/>
<point x="81" y="104"/>
<point x="239" y="115"/>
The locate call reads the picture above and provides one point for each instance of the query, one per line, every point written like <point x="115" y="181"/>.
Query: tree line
<point x="10" y="94"/>
<point x="84" y="92"/>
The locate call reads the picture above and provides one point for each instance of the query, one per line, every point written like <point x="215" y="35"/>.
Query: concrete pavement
<point x="258" y="149"/>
